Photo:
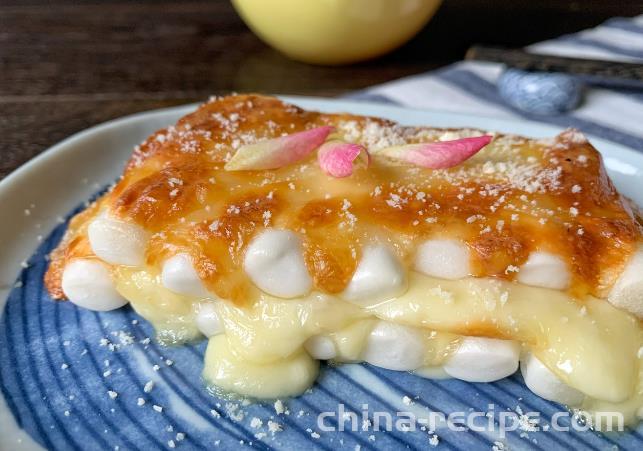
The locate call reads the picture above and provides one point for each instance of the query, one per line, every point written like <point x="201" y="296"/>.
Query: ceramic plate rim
<point x="626" y="161"/>
<point x="619" y="159"/>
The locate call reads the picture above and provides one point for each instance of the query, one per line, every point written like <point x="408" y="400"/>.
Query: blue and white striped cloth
<point x="470" y="87"/>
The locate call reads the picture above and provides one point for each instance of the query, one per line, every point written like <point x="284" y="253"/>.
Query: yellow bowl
<point x="335" y="31"/>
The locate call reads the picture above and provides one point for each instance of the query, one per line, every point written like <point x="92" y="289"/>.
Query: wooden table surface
<point x="66" y="65"/>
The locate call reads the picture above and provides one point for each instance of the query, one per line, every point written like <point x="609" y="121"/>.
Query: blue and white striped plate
<point x="75" y="379"/>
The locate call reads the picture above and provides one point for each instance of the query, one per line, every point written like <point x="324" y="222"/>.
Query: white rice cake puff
<point x="275" y="263"/>
<point x="480" y="359"/>
<point x="432" y="372"/>
<point x="395" y="347"/>
<point x="443" y="258"/>
<point x="543" y="382"/>
<point x="627" y="292"/>
<point x="321" y="347"/>
<point x="208" y="319"/>
<point x="544" y="269"/>
<point x="178" y="275"/>
<point x="88" y="284"/>
<point x="116" y="241"/>
<point x="379" y="276"/>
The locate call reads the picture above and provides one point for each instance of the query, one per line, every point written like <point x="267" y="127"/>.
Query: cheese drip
<point x="589" y="344"/>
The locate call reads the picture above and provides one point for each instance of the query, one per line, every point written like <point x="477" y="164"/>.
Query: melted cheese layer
<point x="590" y="345"/>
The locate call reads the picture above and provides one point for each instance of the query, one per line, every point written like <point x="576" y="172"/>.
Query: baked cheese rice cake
<point x="288" y="236"/>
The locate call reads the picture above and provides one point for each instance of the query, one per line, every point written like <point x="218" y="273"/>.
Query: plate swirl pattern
<point x="76" y="379"/>
<point x="72" y="378"/>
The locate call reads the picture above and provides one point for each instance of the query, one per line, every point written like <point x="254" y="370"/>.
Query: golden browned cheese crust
<point x="515" y="196"/>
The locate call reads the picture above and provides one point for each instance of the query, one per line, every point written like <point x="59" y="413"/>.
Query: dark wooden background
<point x="66" y="65"/>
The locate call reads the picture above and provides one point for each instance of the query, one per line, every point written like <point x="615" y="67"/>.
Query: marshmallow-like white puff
<point x="627" y="292"/>
<point x="481" y="359"/>
<point x="321" y="347"/>
<point x="379" y="276"/>
<point x="274" y="262"/>
<point x="88" y="284"/>
<point x="446" y="259"/>
<point x="207" y="319"/>
<point x="543" y="382"/>
<point x="432" y="372"/>
<point x="543" y="269"/>
<point x="178" y="275"/>
<point x="395" y="347"/>
<point x="117" y="242"/>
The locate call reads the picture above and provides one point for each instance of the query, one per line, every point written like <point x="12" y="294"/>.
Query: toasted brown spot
<point x="515" y="196"/>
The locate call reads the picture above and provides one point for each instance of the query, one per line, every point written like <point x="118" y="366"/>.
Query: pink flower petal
<point x="336" y="157"/>
<point x="278" y="152"/>
<point x="438" y="155"/>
